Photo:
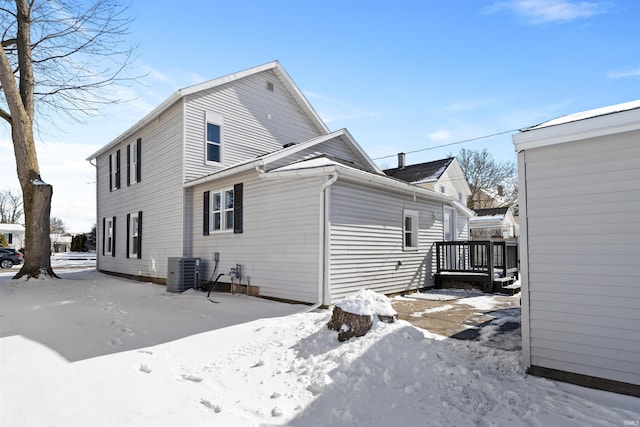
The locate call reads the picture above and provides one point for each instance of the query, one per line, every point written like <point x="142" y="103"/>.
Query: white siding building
<point x="580" y="247"/>
<point x="241" y="171"/>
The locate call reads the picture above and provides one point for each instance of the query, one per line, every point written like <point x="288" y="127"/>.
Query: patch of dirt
<point x="452" y="317"/>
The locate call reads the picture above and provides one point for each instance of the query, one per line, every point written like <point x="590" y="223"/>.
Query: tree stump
<point x="353" y="325"/>
<point x="348" y="324"/>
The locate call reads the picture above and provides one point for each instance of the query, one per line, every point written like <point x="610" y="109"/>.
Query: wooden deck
<point x="492" y="265"/>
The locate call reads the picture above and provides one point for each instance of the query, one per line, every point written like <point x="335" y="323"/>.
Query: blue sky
<point x="401" y="76"/>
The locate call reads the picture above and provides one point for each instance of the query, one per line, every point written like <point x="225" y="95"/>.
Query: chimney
<point x="401" y="160"/>
<point x="500" y="190"/>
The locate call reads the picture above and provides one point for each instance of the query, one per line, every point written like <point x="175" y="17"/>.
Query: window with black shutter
<point x="237" y="208"/>
<point x="205" y="213"/>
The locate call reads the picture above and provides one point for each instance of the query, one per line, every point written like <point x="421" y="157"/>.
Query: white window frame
<point x="115" y="159"/>
<point x="108" y="229"/>
<point x="224" y="211"/>
<point x="214" y="119"/>
<point x="133" y="234"/>
<point x="410" y="237"/>
<point x="452" y="224"/>
<point x="133" y="167"/>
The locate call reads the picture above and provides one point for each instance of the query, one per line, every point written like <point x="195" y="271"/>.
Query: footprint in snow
<point x="115" y="341"/>
<point x="145" y="369"/>
<point x="212" y="406"/>
<point x="192" y="378"/>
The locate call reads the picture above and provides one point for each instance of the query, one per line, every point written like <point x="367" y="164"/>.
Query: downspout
<point x="95" y="166"/>
<point x="323" y="273"/>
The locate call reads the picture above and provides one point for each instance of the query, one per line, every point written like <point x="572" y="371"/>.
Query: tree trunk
<point x="37" y="256"/>
<point x="36" y="195"/>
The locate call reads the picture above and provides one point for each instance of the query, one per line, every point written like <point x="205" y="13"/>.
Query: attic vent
<point x="270" y="86"/>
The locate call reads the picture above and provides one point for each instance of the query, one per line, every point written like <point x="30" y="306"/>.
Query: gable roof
<point x="273" y="66"/>
<point x="421" y="172"/>
<point x="262" y="161"/>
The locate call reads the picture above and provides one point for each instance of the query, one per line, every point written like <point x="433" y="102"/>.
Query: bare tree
<point x="493" y="183"/>
<point x="57" y="226"/>
<point x="10" y="207"/>
<point x="57" y="56"/>
<point x="58" y="229"/>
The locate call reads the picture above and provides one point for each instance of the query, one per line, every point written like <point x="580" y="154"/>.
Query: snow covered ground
<point x="94" y="350"/>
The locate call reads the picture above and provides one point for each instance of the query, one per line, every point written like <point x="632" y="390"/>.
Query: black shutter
<point x="128" y="165"/>
<point x="10" y="238"/>
<point x="139" y="158"/>
<point x="237" y="208"/>
<point x="113" y="238"/>
<point x="139" y="230"/>
<point x="206" y="213"/>
<point x="110" y="173"/>
<point x="128" y="233"/>
<point x="104" y="232"/>
<point x="117" y="169"/>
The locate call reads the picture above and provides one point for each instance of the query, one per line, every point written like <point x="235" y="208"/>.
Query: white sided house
<point x="242" y="173"/>
<point x="14" y="233"/>
<point x="580" y="247"/>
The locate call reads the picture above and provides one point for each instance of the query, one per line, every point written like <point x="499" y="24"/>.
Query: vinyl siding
<point x="256" y="122"/>
<point x="583" y="229"/>
<point x="279" y="246"/>
<point x="367" y="241"/>
<point x="159" y="196"/>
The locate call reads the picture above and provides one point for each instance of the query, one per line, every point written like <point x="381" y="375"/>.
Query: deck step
<point x="510" y="289"/>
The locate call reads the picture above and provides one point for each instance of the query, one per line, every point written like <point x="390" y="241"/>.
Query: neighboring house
<point x="580" y="239"/>
<point x="443" y="176"/>
<point x="242" y="173"/>
<point x="14" y="234"/>
<point x="494" y="224"/>
<point x="487" y="199"/>
<point x="61" y="242"/>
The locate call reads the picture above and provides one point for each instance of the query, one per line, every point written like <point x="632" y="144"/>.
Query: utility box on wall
<point x="182" y="274"/>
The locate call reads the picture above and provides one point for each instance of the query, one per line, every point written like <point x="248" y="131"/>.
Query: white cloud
<point x="549" y="11"/>
<point x="440" y="135"/>
<point x="623" y="74"/>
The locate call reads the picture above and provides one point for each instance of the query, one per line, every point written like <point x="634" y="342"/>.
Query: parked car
<point x="9" y="257"/>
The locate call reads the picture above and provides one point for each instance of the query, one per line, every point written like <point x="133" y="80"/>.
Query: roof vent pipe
<point x="401" y="160"/>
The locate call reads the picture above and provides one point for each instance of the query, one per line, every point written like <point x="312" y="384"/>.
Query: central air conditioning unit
<point x="182" y="274"/>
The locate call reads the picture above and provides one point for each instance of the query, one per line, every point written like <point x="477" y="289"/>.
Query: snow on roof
<point x="11" y="227"/>
<point x="583" y="115"/>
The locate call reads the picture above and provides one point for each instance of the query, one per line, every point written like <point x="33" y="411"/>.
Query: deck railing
<point x="473" y="257"/>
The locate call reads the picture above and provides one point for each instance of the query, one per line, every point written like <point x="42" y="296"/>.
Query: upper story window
<point x="410" y="229"/>
<point x="114" y="171"/>
<point x="134" y="151"/>
<point x="213" y="138"/>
